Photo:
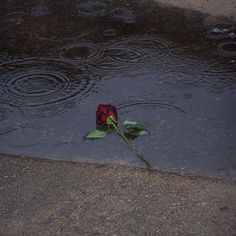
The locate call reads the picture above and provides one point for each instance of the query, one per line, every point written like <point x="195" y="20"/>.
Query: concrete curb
<point x="226" y="8"/>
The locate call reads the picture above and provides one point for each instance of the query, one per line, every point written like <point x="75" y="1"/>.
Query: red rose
<point x="104" y="112"/>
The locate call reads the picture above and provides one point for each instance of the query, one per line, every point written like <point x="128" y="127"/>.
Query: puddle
<point x="58" y="61"/>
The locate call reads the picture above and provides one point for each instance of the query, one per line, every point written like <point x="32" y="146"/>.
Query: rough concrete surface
<point x="212" y="7"/>
<point x="40" y="197"/>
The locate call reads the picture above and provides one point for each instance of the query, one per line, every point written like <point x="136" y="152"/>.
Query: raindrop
<point x="79" y="53"/>
<point x="227" y="49"/>
<point x="90" y="9"/>
<point x="109" y="32"/>
<point x="118" y="58"/>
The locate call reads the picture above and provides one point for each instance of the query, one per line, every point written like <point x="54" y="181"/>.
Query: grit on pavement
<point x="43" y="197"/>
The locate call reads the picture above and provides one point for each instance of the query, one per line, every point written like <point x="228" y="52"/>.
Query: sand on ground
<point x="42" y="197"/>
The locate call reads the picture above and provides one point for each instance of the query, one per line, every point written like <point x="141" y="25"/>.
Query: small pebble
<point x="223" y="208"/>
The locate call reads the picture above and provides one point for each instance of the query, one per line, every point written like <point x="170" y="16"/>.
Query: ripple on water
<point x="125" y="15"/>
<point x="25" y="135"/>
<point x="156" y="48"/>
<point x="220" y="75"/>
<point x="119" y="55"/>
<point x="118" y="58"/>
<point x="16" y="14"/>
<point x="181" y="75"/>
<point x="79" y="53"/>
<point x="149" y="104"/>
<point x="36" y="86"/>
<point x="3" y="57"/>
<point x="48" y="111"/>
<point x="7" y="110"/>
<point x="227" y="49"/>
<point x="142" y="52"/>
<point x="210" y="70"/>
<point x="43" y="84"/>
<point x="90" y="9"/>
<point x="109" y="32"/>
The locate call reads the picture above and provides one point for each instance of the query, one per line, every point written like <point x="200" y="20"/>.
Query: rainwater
<point x="174" y="68"/>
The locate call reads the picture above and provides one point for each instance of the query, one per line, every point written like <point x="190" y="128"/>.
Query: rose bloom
<point x="104" y="112"/>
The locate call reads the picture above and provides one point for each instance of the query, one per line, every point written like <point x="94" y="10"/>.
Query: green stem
<point x="134" y="150"/>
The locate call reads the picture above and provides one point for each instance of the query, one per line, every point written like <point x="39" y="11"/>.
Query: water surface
<point x="58" y="61"/>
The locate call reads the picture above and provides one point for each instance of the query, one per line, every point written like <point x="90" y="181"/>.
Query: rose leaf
<point x="137" y="132"/>
<point x="96" y="134"/>
<point x="129" y="122"/>
<point x="141" y="125"/>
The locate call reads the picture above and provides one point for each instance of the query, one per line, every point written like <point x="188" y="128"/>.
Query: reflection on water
<point x="58" y="61"/>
